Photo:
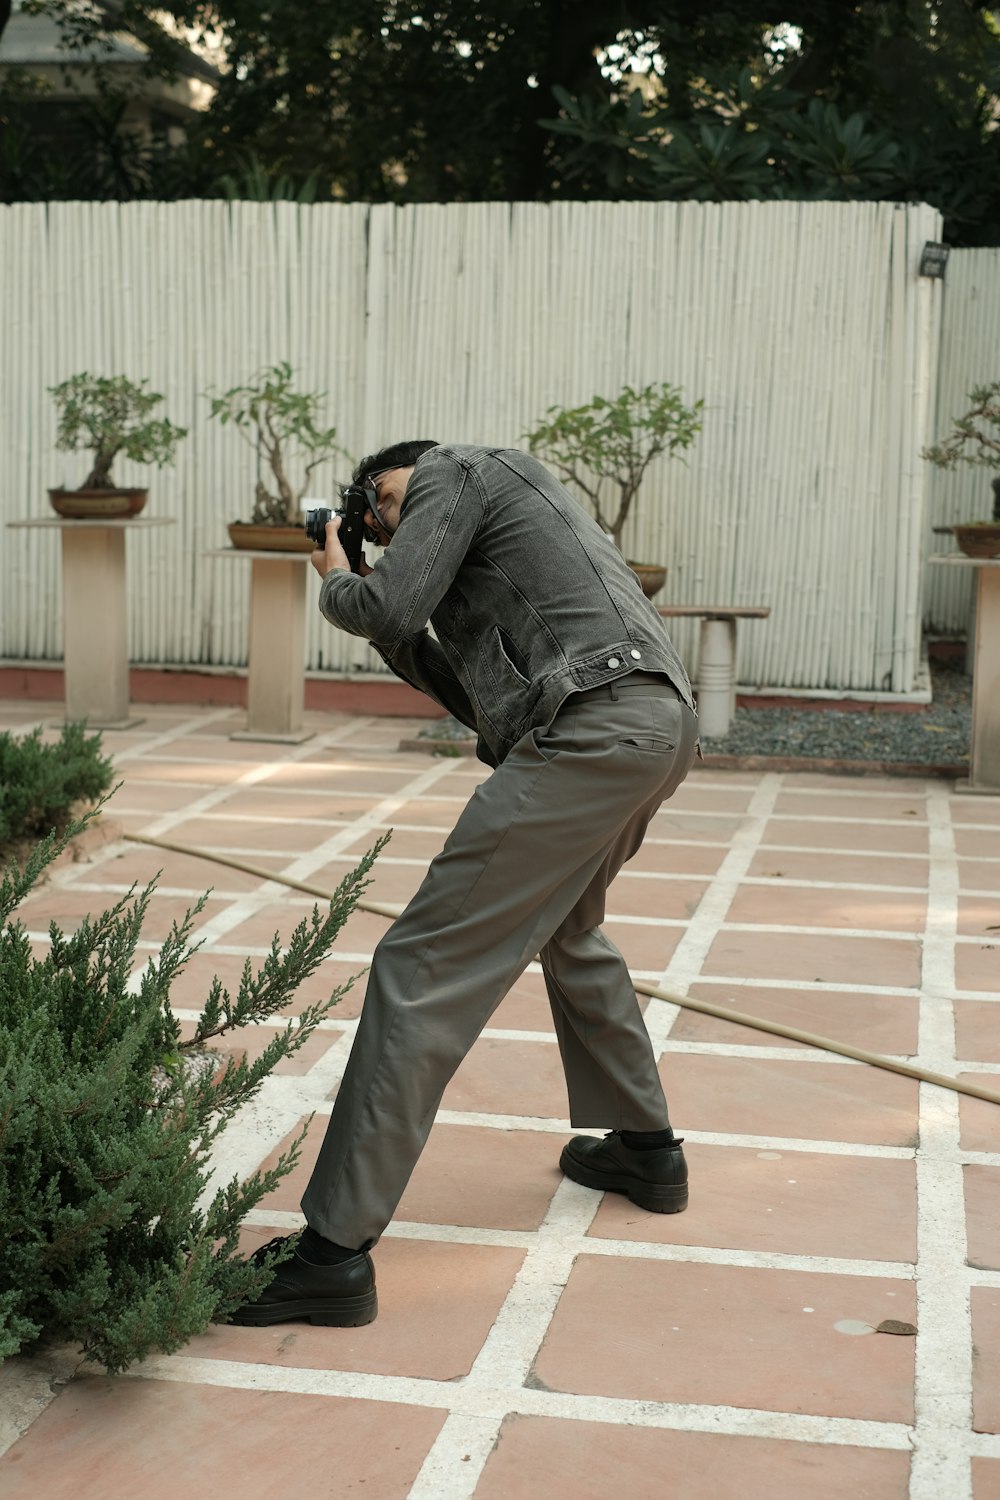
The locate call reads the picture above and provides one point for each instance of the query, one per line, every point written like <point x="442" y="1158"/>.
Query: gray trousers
<point x="524" y="873"/>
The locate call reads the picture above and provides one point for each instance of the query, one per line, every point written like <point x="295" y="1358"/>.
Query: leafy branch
<point x="272" y="417"/>
<point x="974" y="438"/>
<point x="613" y="442"/>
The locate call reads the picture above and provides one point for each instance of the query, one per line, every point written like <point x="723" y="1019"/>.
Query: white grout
<point x="458" y="1396"/>
<point x="460" y="1234"/>
<point x="702" y="929"/>
<point x="943" y="1376"/>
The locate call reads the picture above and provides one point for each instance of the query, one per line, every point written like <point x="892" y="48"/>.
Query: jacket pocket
<point x="512" y="656"/>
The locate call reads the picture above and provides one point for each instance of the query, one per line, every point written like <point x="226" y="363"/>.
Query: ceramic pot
<point x="651" y="577"/>
<point x="97" y="505"/>
<point x="979" y="538"/>
<point x="256" y="537"/>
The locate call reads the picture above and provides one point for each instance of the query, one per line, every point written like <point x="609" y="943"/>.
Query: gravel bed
<point x="879" y="734"/>
<point x="870" y="737"/>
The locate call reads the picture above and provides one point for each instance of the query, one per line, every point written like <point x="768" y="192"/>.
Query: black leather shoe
<point x="338" y="1296"/>
<point x="655" y="1180"/>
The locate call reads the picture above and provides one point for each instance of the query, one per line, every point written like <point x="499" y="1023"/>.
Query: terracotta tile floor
<point x="534" y="1339"/>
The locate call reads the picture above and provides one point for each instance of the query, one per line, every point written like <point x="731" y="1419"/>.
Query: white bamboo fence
<point x="804" y="327"/>
<point x="970" y="356"/>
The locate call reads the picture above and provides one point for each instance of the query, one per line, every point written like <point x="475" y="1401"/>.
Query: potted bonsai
<point x="281" y="425"/>
<point x="610" y="443"/>
<point x="975" y="439"/>
<point x="109" y="416"/>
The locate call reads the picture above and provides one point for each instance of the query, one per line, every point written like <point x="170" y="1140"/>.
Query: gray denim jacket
<point x="528" y="598"/>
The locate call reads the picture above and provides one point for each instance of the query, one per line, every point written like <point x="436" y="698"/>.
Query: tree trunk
<point x="99" y="477"/>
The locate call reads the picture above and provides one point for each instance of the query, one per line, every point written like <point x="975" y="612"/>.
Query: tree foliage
<point x="111" y="415"/>
<point x="610" y="443"/>
<point x="536" y="99"/>
<point x="974" y="438"/>
<point x="277" y="420"/>
<point x="875" y="100"/>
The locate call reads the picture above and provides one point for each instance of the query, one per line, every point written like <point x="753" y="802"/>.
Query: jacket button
<point x="613" y="661"/>
<point x="635" y="655"/>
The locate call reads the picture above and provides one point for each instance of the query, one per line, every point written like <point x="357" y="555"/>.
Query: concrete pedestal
<point x="984" y="757"/>
<point x="716" y="676"/>
<point x="95" y="616"/>
<point x="276" y="655"/>
<point x="716" y="685"/>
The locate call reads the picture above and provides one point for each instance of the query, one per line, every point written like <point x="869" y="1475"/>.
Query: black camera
<point x="355" y="511"/>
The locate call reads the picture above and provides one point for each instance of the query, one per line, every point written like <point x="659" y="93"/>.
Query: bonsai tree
<point x="974" y="439"/>
<point x="612" y="442"/>
<point x="275" y="419"/>
<point x="110" y="415"/>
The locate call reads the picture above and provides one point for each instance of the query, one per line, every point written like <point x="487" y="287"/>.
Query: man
<point x="546" y="647"/>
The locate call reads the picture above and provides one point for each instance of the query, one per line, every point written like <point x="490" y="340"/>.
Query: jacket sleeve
<point x="441" y="514"/>
<point x="420" y="661"/>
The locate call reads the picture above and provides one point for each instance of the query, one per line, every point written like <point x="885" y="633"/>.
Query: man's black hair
<point x="396" y="456"/>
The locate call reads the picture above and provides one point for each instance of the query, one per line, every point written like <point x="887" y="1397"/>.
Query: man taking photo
<point x="545" y="646"/>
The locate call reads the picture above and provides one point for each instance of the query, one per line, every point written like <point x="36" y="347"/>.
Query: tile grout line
<point x="943" y="1353"/>
<point x="688" y="958"/>
<point x="454" y="1464"/>
<point x="456" y="1397"/>
<point x="609" y="1248"/>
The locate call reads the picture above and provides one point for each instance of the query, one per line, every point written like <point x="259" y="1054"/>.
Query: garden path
<point x="535" y="1339"/>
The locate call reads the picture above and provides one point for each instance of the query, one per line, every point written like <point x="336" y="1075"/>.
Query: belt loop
<point x="613" y="690"/>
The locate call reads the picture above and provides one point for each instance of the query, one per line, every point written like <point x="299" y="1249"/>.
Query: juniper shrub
<point x="114" y="1235"/>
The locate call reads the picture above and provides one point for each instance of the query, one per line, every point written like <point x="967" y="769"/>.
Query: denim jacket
<point x="528" y="598"/>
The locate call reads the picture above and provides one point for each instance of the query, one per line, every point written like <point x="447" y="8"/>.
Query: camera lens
<point x="316" y="520"/>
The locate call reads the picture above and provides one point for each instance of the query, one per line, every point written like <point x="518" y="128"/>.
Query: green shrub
<point x="112" y="1235"/>
<point x="39" y="784"/>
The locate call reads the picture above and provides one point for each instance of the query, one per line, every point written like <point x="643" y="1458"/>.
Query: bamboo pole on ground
<point x="687" y="1002"/>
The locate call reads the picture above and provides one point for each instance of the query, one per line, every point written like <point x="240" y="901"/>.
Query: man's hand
<point x="334" y="556"/>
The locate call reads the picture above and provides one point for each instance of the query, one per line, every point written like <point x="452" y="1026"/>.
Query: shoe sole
<point x="655" y="1197"/>
<point x="344" y="1312"/>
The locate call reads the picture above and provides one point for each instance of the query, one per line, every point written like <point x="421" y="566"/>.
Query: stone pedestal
<point x="984" y="757"/>
<point x="95" y="616"/>
<point x="276" y="655"/>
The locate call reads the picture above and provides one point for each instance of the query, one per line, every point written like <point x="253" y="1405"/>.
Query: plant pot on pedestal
<point x="651" y="577"/>
<point x="97" y="505"/>
<point x="254" y="536"/>
<point x="978" y="538"/>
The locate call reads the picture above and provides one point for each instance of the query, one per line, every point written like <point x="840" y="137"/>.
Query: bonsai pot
<point x="97" y="505"/>
<point x="979" y="538"/>
<point x="255" y="536"/>
<point x="651" y="577"/>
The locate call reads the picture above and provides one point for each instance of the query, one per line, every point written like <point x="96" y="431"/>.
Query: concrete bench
<point x="716" y="658"/>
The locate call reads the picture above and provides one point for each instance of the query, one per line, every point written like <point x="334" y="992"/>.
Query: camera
<point x="357" y="504"/>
